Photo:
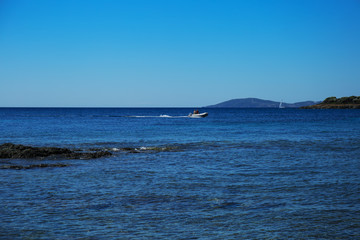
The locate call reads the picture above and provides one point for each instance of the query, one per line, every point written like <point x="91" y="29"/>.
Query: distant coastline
<point x="352" y="102"/>
<point x="259" y="103"/>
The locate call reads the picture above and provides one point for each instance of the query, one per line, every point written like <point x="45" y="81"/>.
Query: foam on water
<point x="160" y="116"/>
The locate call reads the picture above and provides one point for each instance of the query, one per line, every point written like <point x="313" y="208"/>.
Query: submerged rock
<point x="88" y="155"/>
<point x="18" y="151"/>
<point x="43" y="165"/>
<point x="9" y="150"/>
<point x="150" y="149"/>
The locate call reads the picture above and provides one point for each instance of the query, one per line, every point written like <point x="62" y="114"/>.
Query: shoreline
<point x="352" y="102"/>
<point x="333" y="106"/>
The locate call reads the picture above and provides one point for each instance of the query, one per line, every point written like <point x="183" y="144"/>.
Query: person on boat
<point x="196" y="111"/>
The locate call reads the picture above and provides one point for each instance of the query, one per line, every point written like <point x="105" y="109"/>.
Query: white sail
<point x="280" y="105"/>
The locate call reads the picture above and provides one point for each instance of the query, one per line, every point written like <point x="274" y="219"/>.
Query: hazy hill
<point x="258" y="103"/>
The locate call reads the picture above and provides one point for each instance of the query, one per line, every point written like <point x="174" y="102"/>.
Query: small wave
<point x="143" y="149"/>
<point x="175" y="147"/>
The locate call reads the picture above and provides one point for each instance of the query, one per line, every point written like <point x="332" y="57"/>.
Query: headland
<point x="352" y="102"/>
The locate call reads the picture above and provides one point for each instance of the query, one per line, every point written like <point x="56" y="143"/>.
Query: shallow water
<point x="237" y="174"/>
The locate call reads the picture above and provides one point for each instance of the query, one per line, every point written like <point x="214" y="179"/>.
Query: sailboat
<point x="280" y="105"/>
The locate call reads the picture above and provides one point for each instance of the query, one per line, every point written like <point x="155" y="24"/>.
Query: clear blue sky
<point x="174" y="53"/>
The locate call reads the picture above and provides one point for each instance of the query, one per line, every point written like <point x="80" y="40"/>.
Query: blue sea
<point x="236" y="174"/>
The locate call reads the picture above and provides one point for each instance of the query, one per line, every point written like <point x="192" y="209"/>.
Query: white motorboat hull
<point x="199" y="115"/>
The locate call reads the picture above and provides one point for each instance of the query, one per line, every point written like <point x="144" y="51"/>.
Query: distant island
<point x="259" y="103"/>
<point x="339" y="103"/>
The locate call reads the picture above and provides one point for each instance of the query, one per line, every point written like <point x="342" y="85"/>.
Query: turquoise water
<point x="237" y="174"/>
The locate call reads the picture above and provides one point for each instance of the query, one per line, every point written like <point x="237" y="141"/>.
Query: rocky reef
<point x="151" y="149"/>
<point x="46" y="155"/>
<point x="352" y="102"/>
<point x="18" y="151"/>
<point x="42" y="165"/>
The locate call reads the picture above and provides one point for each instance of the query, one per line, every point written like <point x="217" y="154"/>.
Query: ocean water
<point x="237" y="174"/>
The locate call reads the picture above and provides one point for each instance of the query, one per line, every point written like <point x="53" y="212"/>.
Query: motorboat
<point x="198" y="115"/>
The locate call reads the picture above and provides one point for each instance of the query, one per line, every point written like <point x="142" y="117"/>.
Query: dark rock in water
<point x="130" y="150"/>
<point x="13" y="151"/>
<point x="9" y="150"/>
<point x="43" y="165"/>
<point x="88" y="155"/>
<point x="151" y="149"/>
